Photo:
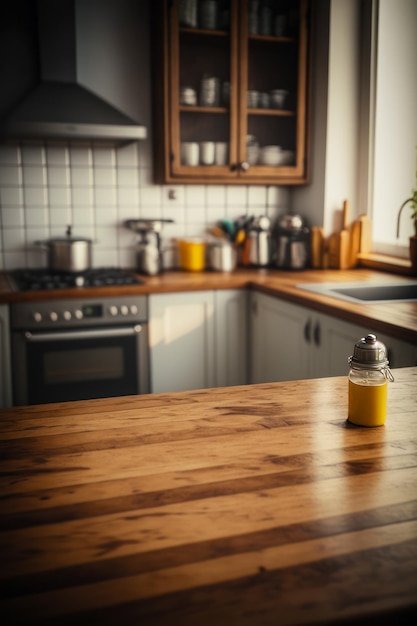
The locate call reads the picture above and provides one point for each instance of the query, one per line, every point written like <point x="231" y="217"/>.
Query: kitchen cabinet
<point x="290" y="342"/>
<point x="5" y="358"/>
<point x="243" y="81"/>
<point x="231" y="337"/>
<point x="197" y="340"/>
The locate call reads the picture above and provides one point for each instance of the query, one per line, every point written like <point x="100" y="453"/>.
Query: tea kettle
<point x="291" y="243"/>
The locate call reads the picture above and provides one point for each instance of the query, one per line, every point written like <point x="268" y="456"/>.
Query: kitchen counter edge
<point x="398" y="319"/>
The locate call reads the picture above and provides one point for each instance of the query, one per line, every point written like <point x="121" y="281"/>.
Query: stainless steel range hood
<point x="60" y="107"/>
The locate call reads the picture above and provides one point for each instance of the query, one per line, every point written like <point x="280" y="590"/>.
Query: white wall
<point x="336" y="115"/>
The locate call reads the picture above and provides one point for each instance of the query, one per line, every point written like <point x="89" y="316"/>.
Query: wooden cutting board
<point x="338" y="243"/>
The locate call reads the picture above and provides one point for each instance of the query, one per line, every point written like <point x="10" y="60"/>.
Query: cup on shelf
<point x="207" y="17"/>
<point x="278" y="98"/>
<point x="188" y="13"/>
<point x="190" y="153"/>
<point x="253" y="99"/>
<point x="210" y="91"/>
<point x="264" y="100"/>
<point x="280" y="25"/>
<point x="188" y="96"/>
<point x="221" y="152"/>
<point x="207" y="152"/>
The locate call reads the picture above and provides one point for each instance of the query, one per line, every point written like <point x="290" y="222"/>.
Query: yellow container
<point x="192" y="254"/>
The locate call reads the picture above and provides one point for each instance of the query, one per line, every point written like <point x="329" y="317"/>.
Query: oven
<point x="78" y="349"/>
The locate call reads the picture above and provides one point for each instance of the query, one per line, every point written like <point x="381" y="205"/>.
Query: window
<point x="393" y="138"/>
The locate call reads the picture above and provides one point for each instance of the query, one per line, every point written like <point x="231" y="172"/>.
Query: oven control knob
<point x="113" y="310"/>
<point x="67" y="315"/>
<point x="78" y="314"/>
<point x="124" y="310"/>
<point x="37" y="317"/>
<point x="133" y="309"/>
<point x="53" y="316"/>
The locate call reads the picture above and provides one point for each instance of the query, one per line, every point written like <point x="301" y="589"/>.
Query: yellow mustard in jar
<point x="368" y="383"/>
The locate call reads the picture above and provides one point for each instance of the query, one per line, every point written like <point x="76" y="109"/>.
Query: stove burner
<point x="37" y="279"/>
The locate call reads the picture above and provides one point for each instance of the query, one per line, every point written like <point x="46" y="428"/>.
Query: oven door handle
<point x="70" y="335"/>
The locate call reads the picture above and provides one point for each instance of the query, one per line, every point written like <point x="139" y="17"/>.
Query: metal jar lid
<point x="369" y="353"/>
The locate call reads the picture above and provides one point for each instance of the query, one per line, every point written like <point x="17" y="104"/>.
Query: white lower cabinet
<point x="291" y="342"/>
<point x="197" y="339"/>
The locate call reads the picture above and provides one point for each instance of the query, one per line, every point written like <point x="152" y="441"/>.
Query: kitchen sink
<point x="367" y="292"/>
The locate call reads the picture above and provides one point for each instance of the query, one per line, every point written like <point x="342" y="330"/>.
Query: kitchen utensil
<point x="292" y="243"/>
<point x="68" y="254"/>
<point x="192" y="254"/>
<point x="257" y="249"/>
<point x="228" y="228"/>
<point x="149" y="254"/>
<point x="344" y="239"/>
<point x="317" y="243"/>
<point x="218" y="232"/>
<point x="222" y="256"/>
<point x="338" y="245"/>
<point x="355" y="242"/>
<point x="365" y="234"/>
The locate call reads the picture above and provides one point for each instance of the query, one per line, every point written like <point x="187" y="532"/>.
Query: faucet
<point x="412" y="199"/>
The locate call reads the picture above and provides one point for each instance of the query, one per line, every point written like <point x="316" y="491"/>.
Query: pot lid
<point x="64" y="239"/>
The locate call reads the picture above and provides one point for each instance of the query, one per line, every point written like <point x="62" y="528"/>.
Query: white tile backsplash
<point x="35" y="197"/>
<point x="46" y="186"/>
<point x="34" y="175"/>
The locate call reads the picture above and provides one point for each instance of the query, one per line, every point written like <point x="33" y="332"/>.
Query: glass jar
<point x="368" y="383"/>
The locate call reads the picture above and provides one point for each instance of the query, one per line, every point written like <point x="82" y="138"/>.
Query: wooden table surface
<point x="247" y="505"/>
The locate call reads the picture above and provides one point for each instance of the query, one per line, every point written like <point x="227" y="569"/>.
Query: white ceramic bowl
<point x="278" y="98"/>
<point x="271" y="155"/>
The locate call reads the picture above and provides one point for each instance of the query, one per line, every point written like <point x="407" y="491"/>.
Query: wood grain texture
<point x="242" y="505"/>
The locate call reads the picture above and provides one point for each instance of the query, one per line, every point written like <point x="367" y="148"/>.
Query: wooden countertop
<point x="251" y="505"/>
<point x="396" y="318"/>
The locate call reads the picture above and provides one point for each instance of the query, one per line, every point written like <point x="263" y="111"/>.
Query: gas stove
<point x="41" y="279"/>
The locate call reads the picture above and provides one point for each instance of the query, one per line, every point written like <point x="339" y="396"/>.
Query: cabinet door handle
<point x="307" y="331"/>
<point x="317" y="334"/>
<point x="244" y="166"/>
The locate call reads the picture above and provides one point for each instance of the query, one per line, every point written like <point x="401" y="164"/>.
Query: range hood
<point x="59" y="107"/>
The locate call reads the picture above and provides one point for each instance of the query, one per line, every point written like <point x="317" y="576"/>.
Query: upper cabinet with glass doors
<point x="232" y="89"/>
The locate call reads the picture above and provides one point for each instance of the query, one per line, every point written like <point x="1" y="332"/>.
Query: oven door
<point x="57" y="366"/>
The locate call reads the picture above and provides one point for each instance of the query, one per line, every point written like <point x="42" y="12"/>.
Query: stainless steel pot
<point x="222" y="256"/>
<point x="68" y="254"/>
